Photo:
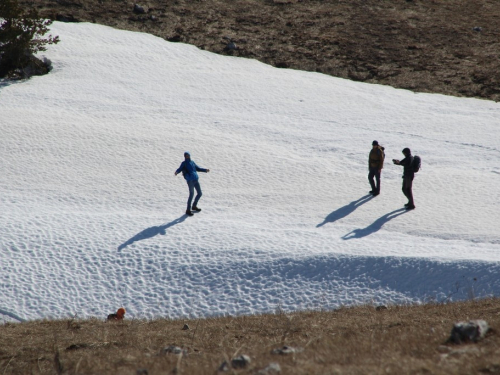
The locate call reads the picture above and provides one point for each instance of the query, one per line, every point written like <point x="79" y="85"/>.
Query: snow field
<point x="92" y="214"/>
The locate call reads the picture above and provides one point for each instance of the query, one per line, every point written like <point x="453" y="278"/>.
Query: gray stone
<point x="272" y="368"/>
<point x="172" y="349"/>
<point x="138" y="9"/>
<point x="223" y="367"/>
<point x="471" y="331"/>
<point x="241" y="362"/>
<point x="230" y="46"/>
<point x="286" y="350"/>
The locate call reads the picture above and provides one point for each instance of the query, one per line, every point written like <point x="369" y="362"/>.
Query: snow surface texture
<point x="92" y="216"/>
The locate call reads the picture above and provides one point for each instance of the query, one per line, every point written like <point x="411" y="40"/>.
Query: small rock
<point x="172" y="349"/>
<point x="241" y="362"/>
<point x="141" y="371"/>
<point x="272" y="368"/>
<point x="477" y="28"/>
<point x="381" y="307"/>
<point x="138" y="9"/>
<point x="286" y="350"/>
<point x="185" y="328"/>
<point x="231" y="46"/>
<point x="223" y="367"/>
<point x="468" y="331"/>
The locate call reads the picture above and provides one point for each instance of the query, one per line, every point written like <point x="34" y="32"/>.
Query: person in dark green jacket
<point x="375" y="165"/>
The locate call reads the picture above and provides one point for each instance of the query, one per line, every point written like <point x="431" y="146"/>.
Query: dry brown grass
<point x="357" y="340"/>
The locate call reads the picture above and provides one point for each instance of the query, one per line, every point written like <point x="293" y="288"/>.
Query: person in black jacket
<point x="408" y="175"/>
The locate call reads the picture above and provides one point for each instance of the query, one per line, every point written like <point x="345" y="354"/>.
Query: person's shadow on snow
<point x="375" y="226"/>
<point x="151" y="232"/>
<point x="345" y="211"/>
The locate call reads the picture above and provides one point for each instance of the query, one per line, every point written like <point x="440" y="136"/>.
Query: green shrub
<point x="21" y="37"/>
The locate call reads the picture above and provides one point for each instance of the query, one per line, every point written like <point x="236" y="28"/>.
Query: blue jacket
<point x="189" y="169"/>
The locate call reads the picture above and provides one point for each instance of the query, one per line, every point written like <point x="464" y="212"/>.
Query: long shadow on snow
<point x="11" y="315"/>
<point x="243" y="283"/>
<point x="375" y="226"/>
<point x="151" y="232"/>
<point x="345" y="211"/>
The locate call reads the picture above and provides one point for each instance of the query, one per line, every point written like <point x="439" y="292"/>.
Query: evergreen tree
<point x="21" y="36"/>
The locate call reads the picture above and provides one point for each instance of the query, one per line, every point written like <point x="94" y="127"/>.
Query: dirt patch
<point x="449" y="47"/>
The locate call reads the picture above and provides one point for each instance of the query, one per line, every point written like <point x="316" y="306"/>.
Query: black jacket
<point x="408" y="170"/>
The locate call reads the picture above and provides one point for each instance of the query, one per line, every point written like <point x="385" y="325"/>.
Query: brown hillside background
<point x="420" y="45"/>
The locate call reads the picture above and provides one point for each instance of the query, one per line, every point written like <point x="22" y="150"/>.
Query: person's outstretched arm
<point x="179" y="169"/>
<point x="198" y="169"/>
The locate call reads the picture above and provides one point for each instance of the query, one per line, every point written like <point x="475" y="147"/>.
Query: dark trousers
<point x="407" y="186"/>
<point x="192" y="186"/>
<point x="374" y="172"/>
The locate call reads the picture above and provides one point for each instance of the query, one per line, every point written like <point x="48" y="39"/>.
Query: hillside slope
<point x="450" y="47"/>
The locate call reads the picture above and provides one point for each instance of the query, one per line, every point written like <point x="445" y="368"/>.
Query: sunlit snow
<point x="92" y="216"/>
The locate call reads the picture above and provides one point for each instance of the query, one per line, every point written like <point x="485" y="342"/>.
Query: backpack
<point x="416" y="163"/>
<point x="382" y="149"/>
<point x="382" y="153"/>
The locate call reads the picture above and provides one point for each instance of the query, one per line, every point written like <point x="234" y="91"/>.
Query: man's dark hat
<point x="374" y="143"/>
<point x="406" y="151"/>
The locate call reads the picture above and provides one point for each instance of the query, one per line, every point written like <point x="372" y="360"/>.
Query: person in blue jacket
<point x="189" y="170"/>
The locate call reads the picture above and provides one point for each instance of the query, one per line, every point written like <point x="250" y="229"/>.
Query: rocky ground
<point x="450" y="47"/>
<point x="412" y="339"/>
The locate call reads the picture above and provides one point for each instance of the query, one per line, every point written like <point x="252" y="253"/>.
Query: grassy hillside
<point x="358" y="340"/>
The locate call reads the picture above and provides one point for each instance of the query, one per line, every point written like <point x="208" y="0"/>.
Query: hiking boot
<point x="410" y="207"/>
<point x="196" y="209"/>
<point x="189" y="213"/>
<point x="375" y="193"/>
